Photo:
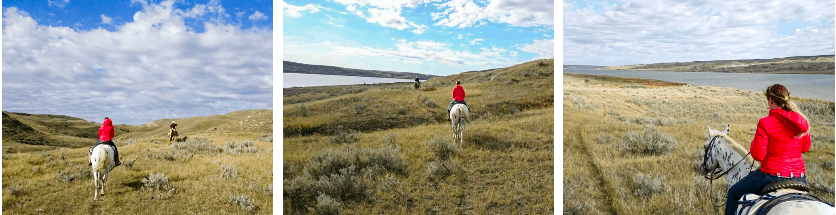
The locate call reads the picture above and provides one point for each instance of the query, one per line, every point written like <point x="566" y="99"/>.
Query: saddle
<point x="792" y="190"/>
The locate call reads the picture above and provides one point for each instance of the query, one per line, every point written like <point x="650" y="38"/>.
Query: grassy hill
<point x="387" y="147"/>
<point x="632" y="146"/>
<point x="292" y="67"/>
<point x="224" y="166"/>
<point x="823" y="64"/>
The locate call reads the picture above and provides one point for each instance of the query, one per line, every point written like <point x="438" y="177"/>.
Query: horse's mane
<point x="736" y="146"/>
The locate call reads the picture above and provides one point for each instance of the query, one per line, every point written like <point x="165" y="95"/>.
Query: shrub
<point x="390" y="138"/>
<point x="244" y="202"/>
<point x="605" y="138"/>
<point x="228" y="172"/>
<point x="35" y="169"/>
<point x="13" y="190"/>
<point x="402" y="110"/>
<point x="304" y="110"/>
<point x="360" y="108"/>
<point x="245" y="147"/>
<point x="826" y="164"/>
<point x="156" y="181"/>
<point x="440" y="169"/>
<point x="197" y="145"/>
<point x="427" y="89"/>
<point x="66" y="177"/>
<point x="343" y="137"/>
<point x="346" y="185"/>
<point x="442" y="148"/>
<point x="649" y="142"/>
<point x="326" y="205"/>
<point x="429" y="102"/>
<point x="129" y="164"/>
<point x="266" y="138"/>
<point x="647" y="185"/>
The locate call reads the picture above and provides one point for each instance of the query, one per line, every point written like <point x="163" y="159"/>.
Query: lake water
<point x="800" y="85"/>
<point x="310" y="80"/>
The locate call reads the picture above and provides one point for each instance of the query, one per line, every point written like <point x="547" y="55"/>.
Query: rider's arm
<point x="805" y="143"/>
<point x="758" y="147"/>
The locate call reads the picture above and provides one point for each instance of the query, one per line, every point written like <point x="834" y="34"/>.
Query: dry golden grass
<point x="48" y="182"/>
<point x="504" y="167"/>
<point x="600" y="177"/>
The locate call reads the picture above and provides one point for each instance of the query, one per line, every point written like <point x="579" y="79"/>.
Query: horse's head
<point x="710" y="162"/>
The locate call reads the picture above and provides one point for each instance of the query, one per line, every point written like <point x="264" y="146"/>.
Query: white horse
<point x="459" y="116"/>
<point x="722" y="152"/>
<point x="102" y="162"/>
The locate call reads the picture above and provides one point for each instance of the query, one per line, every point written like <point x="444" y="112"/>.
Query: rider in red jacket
<point x="780" y="139"/>
<point x="458" y="97"/>
<point x="106" y="134"/>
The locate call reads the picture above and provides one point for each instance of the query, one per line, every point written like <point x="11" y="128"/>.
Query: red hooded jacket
<point x="458" y="93"/>
<point x="775" y="145"/>
<point x="106" y="130"/>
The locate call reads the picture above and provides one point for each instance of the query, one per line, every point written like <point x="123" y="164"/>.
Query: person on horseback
<point x="780" y="139"/>
<point x="458" y="97"/>
<point x="172" y="130"/>
<point x="106" y="134"/>
<point x="417" y="83"/>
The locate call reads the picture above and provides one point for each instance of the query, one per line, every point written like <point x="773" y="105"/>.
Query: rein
<point x="720" y="173"/>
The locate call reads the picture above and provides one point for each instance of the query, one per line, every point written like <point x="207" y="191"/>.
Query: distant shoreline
<point x="822" y="65"/>
<point x="293" y="67"/>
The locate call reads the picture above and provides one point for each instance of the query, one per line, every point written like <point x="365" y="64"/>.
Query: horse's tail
<point x="102" y="159"/>
<point x="467" y="115"/>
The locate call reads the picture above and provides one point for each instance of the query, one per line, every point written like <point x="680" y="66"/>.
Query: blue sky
<point x="636" y="32"/>
<point x="137" y="61"/>
<point x="424" y="36"/>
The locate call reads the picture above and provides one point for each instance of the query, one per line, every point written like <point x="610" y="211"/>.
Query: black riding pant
<point x="109" y="142"/>
<point x="454" y="103"/>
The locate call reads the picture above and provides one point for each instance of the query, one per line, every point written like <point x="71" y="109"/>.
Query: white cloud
<point x="543" y="48"/>
<point x="386" y="13"/>
<point x="633" y="32"/>
<point x="460" y="36"/>
<point x="148" y="68"/>
<point x="418" y="28"/>
<point x="58" y="3"/>
<point x="106" y="20"/>
<point x="257" y="16"/>
<point x="414" y="52"/>
<point x="476" y="41"/>
<point x="296" y="11"/>
<point x="525" y="13"/>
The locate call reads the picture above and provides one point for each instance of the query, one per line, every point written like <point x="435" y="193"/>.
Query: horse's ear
<point x="726" y="131"/>
<point x="709" y="129"/>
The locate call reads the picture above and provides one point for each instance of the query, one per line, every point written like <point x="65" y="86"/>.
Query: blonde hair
<point x="780" y="95"/>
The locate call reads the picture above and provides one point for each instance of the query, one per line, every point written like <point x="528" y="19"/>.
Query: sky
<point x="423" y="36"/>
<point x="607" y="33"/>
<point x="137" y="61"/>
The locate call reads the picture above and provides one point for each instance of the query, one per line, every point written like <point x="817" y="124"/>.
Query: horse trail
<point x="597" y="176"/>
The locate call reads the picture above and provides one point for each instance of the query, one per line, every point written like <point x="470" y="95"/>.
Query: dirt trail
<point x="604" y="200"/>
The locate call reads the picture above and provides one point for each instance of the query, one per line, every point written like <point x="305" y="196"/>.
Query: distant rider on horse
<point x="458" y="98"/>
<point x="106" y="134"/>
<point x="172" y="131"/>
<point x="417" y="83"/>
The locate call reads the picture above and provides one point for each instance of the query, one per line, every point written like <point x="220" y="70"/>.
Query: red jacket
<point x="106" y="130"/>
<point x="458" y="93"/>
<point x="775" y="146"/>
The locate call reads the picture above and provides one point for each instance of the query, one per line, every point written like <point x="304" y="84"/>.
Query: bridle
<point x="719" y="173"/>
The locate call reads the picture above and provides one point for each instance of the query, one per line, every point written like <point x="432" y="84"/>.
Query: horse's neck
<point x="728" y="157"/>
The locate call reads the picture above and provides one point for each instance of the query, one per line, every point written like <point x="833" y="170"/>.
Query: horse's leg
<point x="95" y="185"/>
<point x="461" y="135"/>
<point x="104" y="181"/>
